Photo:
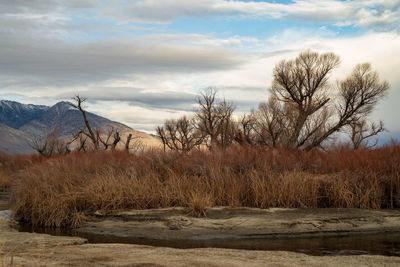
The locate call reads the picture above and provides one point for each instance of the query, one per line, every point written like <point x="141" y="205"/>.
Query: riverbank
<point x="225" y="222"/>
<point x="27" y="249"/>
<point x="176" y="224"/>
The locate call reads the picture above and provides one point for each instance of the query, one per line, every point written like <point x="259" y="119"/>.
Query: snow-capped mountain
<point x="14" y="114"/>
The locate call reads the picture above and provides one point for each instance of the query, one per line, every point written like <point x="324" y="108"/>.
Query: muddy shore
<point x="224" y="222"/>
<point x="27" y="249"/>
<point x="30" y="249"/>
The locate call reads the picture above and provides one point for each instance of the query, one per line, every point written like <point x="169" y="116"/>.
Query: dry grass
<point x="5" y="180"/>
<point x="59" y="191"/>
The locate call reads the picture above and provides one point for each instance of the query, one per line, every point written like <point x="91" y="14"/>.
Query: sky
<point x="143" y="61"/>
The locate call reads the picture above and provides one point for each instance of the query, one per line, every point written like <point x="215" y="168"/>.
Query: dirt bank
<point x="29" y="249"/>
<point x="175" y="223"/>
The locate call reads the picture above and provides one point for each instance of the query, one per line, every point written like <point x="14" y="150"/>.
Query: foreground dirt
<point x="176" y="223"/>
<point x="30" y="249"/>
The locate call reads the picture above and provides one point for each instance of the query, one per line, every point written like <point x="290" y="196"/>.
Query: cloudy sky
<point x="142" y="61"/>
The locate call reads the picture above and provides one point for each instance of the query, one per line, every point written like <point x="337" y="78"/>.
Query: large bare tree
<point x="315" y="109"/>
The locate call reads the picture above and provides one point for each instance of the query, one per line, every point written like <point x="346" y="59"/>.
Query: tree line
<point x="304" y="110"/>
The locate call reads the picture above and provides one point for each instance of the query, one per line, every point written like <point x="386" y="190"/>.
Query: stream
<point x="387" y="244"/>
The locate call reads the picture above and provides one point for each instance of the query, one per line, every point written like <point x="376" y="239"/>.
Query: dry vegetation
<point x="5" y="177"/>
<point x="5" y="180"/>
<point x="61" y="190"/>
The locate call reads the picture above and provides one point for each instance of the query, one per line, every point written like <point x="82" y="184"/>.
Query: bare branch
<point x="79" y="100"/>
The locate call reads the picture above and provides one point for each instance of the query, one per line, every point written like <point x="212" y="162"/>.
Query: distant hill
<point x="13" y="141"/>
<point x="19" y="123"/>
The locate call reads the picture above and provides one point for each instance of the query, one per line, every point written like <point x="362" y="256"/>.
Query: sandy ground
<point x="30" y="249"/>
<point x="223" y="222"/>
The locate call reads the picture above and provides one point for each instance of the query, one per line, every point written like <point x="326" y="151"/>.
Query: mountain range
<point x="20" y="123"/>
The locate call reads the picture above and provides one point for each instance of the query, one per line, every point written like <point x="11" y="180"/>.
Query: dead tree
<point x="106" y="140"/>
<point x="133" y="143"/>
<point x="93" y="135"/>
<point x="110" y="139"/>
<point x="117" y="138"/>
<point x="128" y="141"/>
<point x="81" y="139"/>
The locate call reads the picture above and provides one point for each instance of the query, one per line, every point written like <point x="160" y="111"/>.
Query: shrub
<point x="60" y="191"/>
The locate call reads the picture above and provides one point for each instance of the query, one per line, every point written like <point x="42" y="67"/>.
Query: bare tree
<point x="313" y="113"/>
<point x="214" y="119"/>
<point x="41" y="145"/>
<point x="160" y="130"/>
<point x="271" y="122"/>
<point x="180" y="135"/>
<point x="134" y="143"/>
<point x="117" y="139"/>
<point x="360" y="132"/>
<point x="207" y="116"/>
<point x="358" y="95"/>
<point x="81" y="139"/>
<point x="245" y="130"/>
<point x="304" y="109"/>
<point x="128" y="141"/>
<point x="226" y="127"/>
<point x="50" y="144"/>
<point x="93" y="135"/>
<point x="108" y="140"/>
<point x="303" y="84"/>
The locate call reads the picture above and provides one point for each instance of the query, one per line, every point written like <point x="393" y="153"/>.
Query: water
<point x="366" y="244"/>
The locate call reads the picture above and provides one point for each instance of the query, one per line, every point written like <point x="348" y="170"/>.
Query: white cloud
<point x="143" y="80"/>
<point x="58" y="63"/>
<point x="381" y="15"/>
<point x="145" y="99"/>
<point x="378" y="14"/>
